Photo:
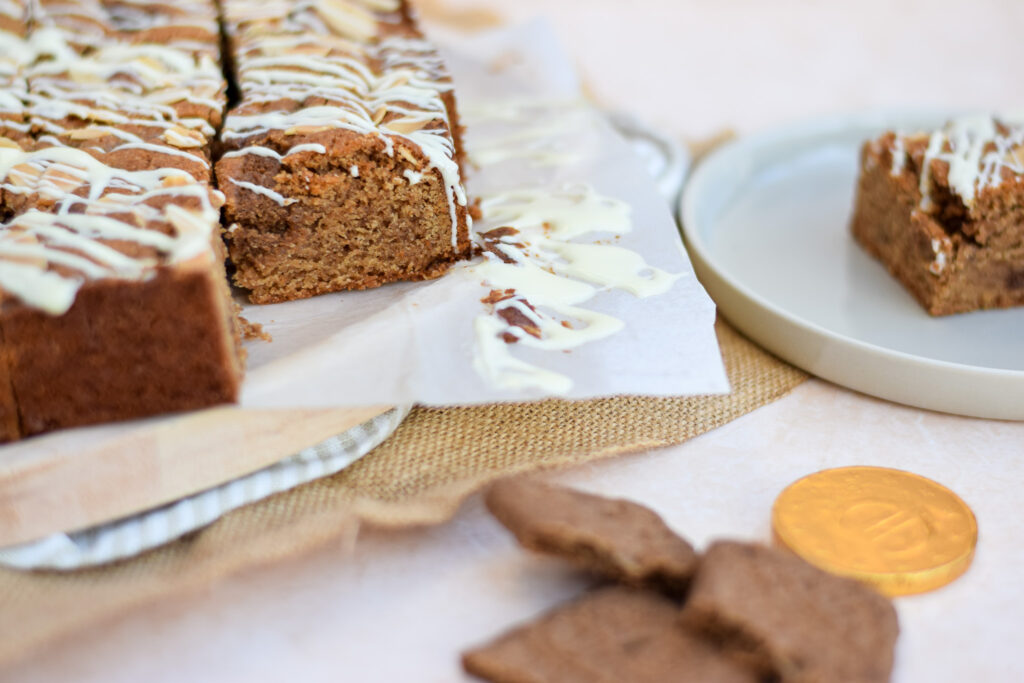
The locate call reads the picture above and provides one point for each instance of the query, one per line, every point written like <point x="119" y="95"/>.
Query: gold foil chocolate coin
<point x="898" y="531"/>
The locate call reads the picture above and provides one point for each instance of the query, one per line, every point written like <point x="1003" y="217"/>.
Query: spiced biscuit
<point x="608" y="636"/>
<point x="619" y="539"/>
<point x="770" y="609"/>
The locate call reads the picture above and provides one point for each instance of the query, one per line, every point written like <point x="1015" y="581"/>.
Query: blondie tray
<point x="144" y="142"/>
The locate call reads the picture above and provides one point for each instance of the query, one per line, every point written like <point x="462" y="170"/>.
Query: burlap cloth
<point x="418" y="476"/>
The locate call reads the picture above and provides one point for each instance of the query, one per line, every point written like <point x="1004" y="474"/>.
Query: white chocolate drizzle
<point x="64" y="250"/>
<point x="263" y="191"/>
<point x="313" y="147"/>
<point x="899" y="155"/>
<point x="500" y="368"/>
<point x="540" y="278"/>
<point x="571" y="211"/>
<point x="940" y="247"/>
<point x="978" y="154"/>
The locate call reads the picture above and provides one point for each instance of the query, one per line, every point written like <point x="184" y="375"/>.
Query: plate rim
<point x="739" y="303"/>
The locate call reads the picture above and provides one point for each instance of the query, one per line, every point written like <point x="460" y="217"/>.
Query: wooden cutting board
<point x="76" y="479"/>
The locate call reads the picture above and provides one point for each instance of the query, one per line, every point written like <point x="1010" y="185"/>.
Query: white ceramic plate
<point x="766" y="220"/>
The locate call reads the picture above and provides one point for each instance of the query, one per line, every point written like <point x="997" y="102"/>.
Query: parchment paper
<point x="414" y="342"/>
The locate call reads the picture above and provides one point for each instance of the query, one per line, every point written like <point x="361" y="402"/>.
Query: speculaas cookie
<point x="615" y="538"/>
<point x="613" y="635"/>
<point x="774" y="611"/>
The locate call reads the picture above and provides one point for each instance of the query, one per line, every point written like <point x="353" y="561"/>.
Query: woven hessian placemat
<point x="420" y="475"/>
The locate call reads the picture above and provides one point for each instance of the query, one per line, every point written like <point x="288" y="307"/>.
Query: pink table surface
<point x="400" y="606"/>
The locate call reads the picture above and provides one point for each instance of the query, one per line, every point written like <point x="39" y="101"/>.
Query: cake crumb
<point x="252" y="331"/>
